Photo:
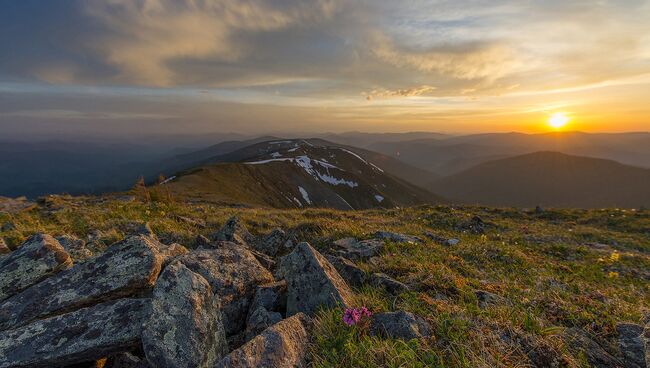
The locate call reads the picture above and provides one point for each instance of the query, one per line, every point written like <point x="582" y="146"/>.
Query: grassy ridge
<point x="542" y="265"/>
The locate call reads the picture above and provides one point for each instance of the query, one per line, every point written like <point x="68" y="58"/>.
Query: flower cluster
<point x="353" y="315"/>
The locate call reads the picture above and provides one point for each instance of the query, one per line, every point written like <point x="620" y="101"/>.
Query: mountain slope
<point x="297" y="173"/>
<point x="549" y="179"/>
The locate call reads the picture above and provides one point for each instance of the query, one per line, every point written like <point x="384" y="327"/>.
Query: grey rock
<point x="486" y="298"/>
<point x="359" y="250"/>
<point x="190" y="221"/>
<point x="312" y="282"/>
<point x="124" y="269"/>
<point x="284" y="344"/>
<point x="75" y="247"/>
<point x="83" y="335"/>
<point x="259" y="320"/>
<point x="350" y="272"/>
<point x="399" y="325"/>
<point x="441" y="239"/>
<point x="632" y="345"/>
<point x="388" y="283"/>
<point x="272" y="244"/>
<point x="452" y="242"/>
<point x="580" y="342"/>
<point x="38" y="258"/>
<point x="4" y="249"/>
<point x="171" y="252"/>
<point x="201" y="241"/>
<point x="144" y="229"/>
<point x="272" y="297"/>
<point x="233" y="273"/>
<point x="397" y="237"/>
<point x="185" y="328"/>
<point x="234" y="231"/>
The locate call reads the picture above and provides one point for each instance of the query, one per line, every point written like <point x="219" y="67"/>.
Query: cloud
<point x="409" y="92"/>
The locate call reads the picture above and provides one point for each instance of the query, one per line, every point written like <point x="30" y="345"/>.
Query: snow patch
<point x="280" y="142"/>
<point x="167" y="180"/>
<point x="276" y="154"/>
<point x="269" y="160"/>
<point x="362" y="159"/>
<point x="379" y="198"/>
<point x="305" y="195"/>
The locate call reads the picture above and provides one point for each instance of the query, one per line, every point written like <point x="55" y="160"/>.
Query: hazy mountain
<point x="361" y="139"/>
<point x="454" y="154"/>
<point x="549" y="179"/>
<point x="297" y="173"/>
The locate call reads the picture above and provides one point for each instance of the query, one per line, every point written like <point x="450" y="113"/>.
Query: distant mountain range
<point x="298" y="173"/>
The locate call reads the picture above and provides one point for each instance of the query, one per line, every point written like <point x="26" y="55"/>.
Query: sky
<point x="120" y="67"/>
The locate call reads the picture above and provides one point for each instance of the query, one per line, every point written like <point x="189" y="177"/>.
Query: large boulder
<point x="284" y="344"/>
<point x="233" y="273"/>
<point x="312" y="282"/>
<point x="83" y="335"/>
<point x="38" y="258"/>
<point x="124" y="269"/>
<point x="632" y="345"/>
<point x="399" y="325"/>
<point x="185" y="328"/>
<point x="234" y="231"/>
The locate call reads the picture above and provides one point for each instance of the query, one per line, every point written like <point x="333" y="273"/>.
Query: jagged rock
<point x="201" y="241"/>
<point x="75" y="247"/>
<point x="579" y="341"/>
<point x="4" y="249"/>
<point x="170" y="252"/>
<point x="284" y="344"/>
<point x="350" y="272"/>
<point x="399" y="325"/>
<point x="486" y="298"/>
<point x="185" y="328"/>
<point x="632" y="345"/>
<point x="312" y="282"/>
<point x="359" y="250"/>
<point x="124" y="269"/>
<point x="272" y="243"/>
<point x="83" y="335"/>
<point x="388" y="283"/>
<point x="125" y="360"/>
<point x="263" y="259"/>
<point x="272" y="297"/>
<point x="397" y="237"/>
<point x="234" y="231"/>
<point x="233" y="273"/>
<point x="190" y="221"/>
<point x="38" y="258"/>
<point x="144" y="229"/>
<point x="259" y="320"/>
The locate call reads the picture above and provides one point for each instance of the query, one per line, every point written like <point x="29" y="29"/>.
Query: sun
<point x="558" y="120"/>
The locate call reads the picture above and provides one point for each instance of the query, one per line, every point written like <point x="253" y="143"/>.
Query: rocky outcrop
<point x="312" y="282"/>
<point x="271" y="296"/>
<point x="124" y="269"/>
<point x="171" y="252"/>
<point x="632" y="345"/>
<point x="185" y="328"/>
<point x="234" y="231"/>
<point x="272" y="243"/>
<point x="355" y="250"/>
<point x="233" y="273"/>
<point x="75" y="247"/>
<point x="350" y="272"/>
<point x="388" y="283"/>
<point x="259" y="319"/>
<point x="284" y="344"/>
<point x="36" y="259"/>
<point x="397" y="237"/>
<point x="399" y="325"/>
<point x="84" y="335"/>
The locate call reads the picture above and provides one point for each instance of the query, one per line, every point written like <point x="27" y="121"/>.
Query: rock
<point x="4" y="249"/>
<point x="234" y="231"/>
<point x="284" y="344"/>
<point x="362" y="250"/>
<point x="263" y="259"/>
<point x="312" y="282"/>
<point x="474" y="226"/>
<point x="170" y="252"/>
<point x="399" y="325"/>
<point x="441" y="239"/>
<point x="185" y="328"/>
<point x="388" y="283"/>
<point x="486" y="298"/>
<point x="452" y="242"/>
<point x="83" y="335"/>
<point x="38" y="258"/>
<point x="125" y="268"/>
<point x="233" y="273"/>
<point x="15" y="205"/>
<point x="201" y="241"/>
<point x="539" y="351"/>
<point x="350" y="272"/>
<point x="190" y="221"/>
<point x="259" y="320"/>
<point x="125" y="360"/>
<point x="272" y="297"/>
<point x="397" y="237"/>
<point x="144" y="229"/>
<point x="632" y="345"/>
<point x="272" y="243"/>
<point x="580" y="342"/>
<point x="75" y="247"/>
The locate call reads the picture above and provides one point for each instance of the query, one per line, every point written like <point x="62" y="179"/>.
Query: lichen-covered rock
<point x="233" y="273"/>
<point x="38" y="258"/>
<point x="312" y="282"/>
<point x="234" y="231"/>
<point x="284" y="344"/>
<point x="170" y="252"/>
<point x="272" y="297"/>
<point x="581" y="343"/>
<point x="359" y="250"/>
<point x="259" y="319"/>
<point x="185" y="328"/>
<point x="399" y="325"/>
<point x="632" y="345"/>
<point x="397" y="237"/>
<point x="124" y="269"/>
<point x="388" y="283"/>
<point x="75" y="247"/>
<point x="201" y="241"/>
<point x="272" y="243"/>
<point x="144" y="229"/>
<point x="350" y="272"/>
<point x="80" y="336"/>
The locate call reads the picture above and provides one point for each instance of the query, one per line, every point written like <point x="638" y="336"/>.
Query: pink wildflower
<point x="352" y="316"/>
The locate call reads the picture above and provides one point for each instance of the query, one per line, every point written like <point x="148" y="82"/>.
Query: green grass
<point x="539" y="263"/>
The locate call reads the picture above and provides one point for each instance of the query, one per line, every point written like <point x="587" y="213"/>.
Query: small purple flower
<point x="352" y="316"/>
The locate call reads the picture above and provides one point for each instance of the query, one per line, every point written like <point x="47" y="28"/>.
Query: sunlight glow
<point x="558" y="120"/>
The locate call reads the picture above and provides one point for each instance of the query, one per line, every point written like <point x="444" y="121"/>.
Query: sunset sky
<point x="194" y="66"/>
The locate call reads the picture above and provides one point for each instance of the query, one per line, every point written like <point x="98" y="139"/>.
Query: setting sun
<point x="558" y="120"/>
